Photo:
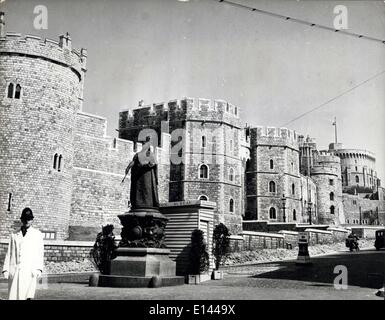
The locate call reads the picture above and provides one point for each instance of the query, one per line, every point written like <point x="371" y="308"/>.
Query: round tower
<point x="326" y="173"/>
<point x="358" y="170"/>
<point x="43" y="90"/>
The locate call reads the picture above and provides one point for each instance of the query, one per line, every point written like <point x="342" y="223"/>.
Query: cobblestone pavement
<point x="276" y="281"/>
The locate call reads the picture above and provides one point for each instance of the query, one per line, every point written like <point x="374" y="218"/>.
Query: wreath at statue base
<point x="143" y="228"/>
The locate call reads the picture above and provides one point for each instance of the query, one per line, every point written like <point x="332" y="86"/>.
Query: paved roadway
<point x="277" y="281"/>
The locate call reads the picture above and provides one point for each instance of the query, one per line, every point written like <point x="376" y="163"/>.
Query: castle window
<point x="18" y="91"/>
<point x="331" y="182"/>
<point x="272" y="213"/>
<point x="231" y="205"/>
<point x="10" y="91"/>
<point x="332" y="209"/>
<point x="9" y="202"/>
<point x="357" y="179"/>
<point x="59" y="165"/>
<point x="271" y="164"/>
<point x="331" y="195"/>
<point x="236" y="110"/>
<point x="55" y="160"/>
<point x="203" y="172"/>
<point x="227" y="107"/>
<point x="49" y="235"/>
<point x="294" y="215"/>
<point x="271" y="186"/>
<point x="203" y="198"/>
<point x="231" y="174"/>
<point x="203" y="142"/>
<point x="293" y="189"/>
<point x="356" y="168"/>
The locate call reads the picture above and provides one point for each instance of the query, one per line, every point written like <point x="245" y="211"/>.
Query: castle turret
<point x="273" y="179"/>
<point x="43" y="82"/>
<point x="206" y="157"/>
<point x="326" y="173"/>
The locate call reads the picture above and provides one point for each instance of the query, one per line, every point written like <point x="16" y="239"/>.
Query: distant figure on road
<point x="24" y="261"/>
<point x="352" y="241"/>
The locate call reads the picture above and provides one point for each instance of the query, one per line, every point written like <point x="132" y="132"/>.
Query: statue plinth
<point x="143" y="228"/>
<point x="142" y="255"/>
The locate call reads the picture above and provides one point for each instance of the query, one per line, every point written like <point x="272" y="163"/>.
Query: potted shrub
<point x="221" y="244"/>
<point x="103" y="252"/>
<point x="199" y="259"/>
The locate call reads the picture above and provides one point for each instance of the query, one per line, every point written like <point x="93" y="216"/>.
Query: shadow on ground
<point x="365" y="269"/>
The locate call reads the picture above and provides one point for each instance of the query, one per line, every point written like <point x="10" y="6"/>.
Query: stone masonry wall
<point x="372" y="211"/>
<point x="36" y="127"/>
<point x="98" y="195"/>
<point x="58" y="251"/>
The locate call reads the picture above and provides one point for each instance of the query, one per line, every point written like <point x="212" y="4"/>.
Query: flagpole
<point x="335" y="129"/>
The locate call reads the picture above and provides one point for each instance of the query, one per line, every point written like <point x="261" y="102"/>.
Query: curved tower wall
<point x="326" y="173"/>
<point x="37" y="126"/>
<point x="358" y="165"/>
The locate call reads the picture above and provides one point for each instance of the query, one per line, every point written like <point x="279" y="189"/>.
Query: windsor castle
<point x="58" y="160"/>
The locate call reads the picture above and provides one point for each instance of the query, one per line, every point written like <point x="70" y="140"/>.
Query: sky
<point x="273" y="70"/>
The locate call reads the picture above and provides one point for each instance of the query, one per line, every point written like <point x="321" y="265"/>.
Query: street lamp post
<point x="284" y="207"/>
<point x="309" y="208"/>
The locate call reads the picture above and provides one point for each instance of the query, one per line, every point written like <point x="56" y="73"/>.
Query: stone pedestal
<point x="141" y="267"/>
<point x="143" y="262"/>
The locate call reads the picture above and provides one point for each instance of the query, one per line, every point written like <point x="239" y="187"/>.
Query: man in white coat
<point x="24" y="261"/>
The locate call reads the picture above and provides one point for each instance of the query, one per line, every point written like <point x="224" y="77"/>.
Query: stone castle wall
<point x="280" y="146"/>
<point x="326" y="173"/>
<point x="365" y="211"/>
<point x="99" y="164"/>
<point x="35" y="127"/>
<point x="358" y="164"/>
<point x="192" y="119"/>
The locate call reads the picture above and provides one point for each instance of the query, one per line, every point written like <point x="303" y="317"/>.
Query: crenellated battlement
<point x="60" y="52"/>
<point x="275" y="132"/>
<point x="274" y="136"/>
<point x="325" y="158"/>
<point x="356" y="154"/>
<point x="198" y="109"/>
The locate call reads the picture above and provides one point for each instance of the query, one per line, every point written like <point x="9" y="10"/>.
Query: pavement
<point x="268" y="281"/>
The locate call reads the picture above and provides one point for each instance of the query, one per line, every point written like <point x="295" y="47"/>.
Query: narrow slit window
<point x="59" y="165"/>
<point x="272" y="214"/>
<point x="271" y="186"/>
<point x="203" y="172"/>
<point x="231" y="205"/>
<point x="10" y="91"/>
<point x="18" y="92"/>
<point x="55" y="160"/>
<point x="9" y="202"/>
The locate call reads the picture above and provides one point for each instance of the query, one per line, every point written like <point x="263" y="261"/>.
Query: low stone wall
<point x="320" y="237"/>
<point x="339" y="234"/>
<point x="262" y="240"/>
<point x="252" y="240"/>
<point x="267" y="226"/>
<point x="57" y="251"/>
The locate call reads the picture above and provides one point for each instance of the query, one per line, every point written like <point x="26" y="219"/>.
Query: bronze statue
<point x="143" y="225"/>
<point x="144" y="180"/>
